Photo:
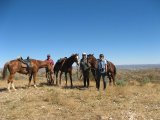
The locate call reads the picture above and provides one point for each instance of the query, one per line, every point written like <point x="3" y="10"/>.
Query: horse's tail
<point x="115" y="70"/>
<point x="5" y="70"/>
<point x="113" y="67"/>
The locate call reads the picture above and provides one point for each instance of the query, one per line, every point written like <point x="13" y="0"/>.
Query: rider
<point x="102" y="71"/>
<point x="85" y="69"/>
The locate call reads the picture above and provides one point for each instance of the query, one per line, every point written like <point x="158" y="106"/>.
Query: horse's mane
<point x="71" y="57"/>
<point x="69" y="61"/>
<point x="92" y="55"/>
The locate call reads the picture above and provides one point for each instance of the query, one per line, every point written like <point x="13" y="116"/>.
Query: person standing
<point x="85" y="70"/>
<point x="101" y="71"/>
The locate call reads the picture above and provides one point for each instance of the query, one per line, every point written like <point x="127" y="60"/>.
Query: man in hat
<point x="85" y="69"/>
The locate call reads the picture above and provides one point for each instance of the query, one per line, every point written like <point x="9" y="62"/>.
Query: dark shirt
<point x="83" y="64"/>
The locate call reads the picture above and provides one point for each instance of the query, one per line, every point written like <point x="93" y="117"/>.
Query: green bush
<point x="121" y="82"/>
<point x="145" y="81"/>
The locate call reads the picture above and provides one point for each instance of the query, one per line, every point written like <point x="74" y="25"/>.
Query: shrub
<point x="121" y="82"/>
<point x="145" y="81"/>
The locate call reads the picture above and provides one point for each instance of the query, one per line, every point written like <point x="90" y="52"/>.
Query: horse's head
<point x="91" y="60"/>
<point x="75" y="58"/>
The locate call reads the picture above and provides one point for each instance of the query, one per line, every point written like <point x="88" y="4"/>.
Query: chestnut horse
<point x="111" y="69"/>
<point x="15" y="66"/>
<point x="65" y="65"/>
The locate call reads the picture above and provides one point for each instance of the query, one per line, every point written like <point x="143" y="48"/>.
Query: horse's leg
<point x="30" y="78"/>
<point x="70" y="75"/>
<point x="34" y="79"/>
<point x="56" y="77"/>
<point x="94" y="74"/>
<point x="113" y="77"/>
<point x="10" y="82"/>
<point x="9" y="86"/>
<point x="110" y="80"/>
<point x="60" y="77"/>
<point x="66" y="77"/>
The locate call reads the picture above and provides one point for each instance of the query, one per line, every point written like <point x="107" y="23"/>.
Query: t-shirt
<point x="102" y="66"/>
<point x="50" y="61"/>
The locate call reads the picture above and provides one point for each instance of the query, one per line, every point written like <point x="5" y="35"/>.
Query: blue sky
<point x="126" y="31"/>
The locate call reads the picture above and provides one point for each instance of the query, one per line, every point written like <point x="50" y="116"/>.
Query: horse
<point x="65" y="65"/>
<point x="16" y="66"/>
<point x="111" y="68"/>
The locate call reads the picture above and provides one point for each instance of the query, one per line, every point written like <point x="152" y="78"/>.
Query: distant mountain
<point x="139" y="67"/>
<point x="127" y="67"/>
<point x="134" y="67"/>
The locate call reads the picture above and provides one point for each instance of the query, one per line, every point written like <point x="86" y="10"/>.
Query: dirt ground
<point x="130" y="102"/>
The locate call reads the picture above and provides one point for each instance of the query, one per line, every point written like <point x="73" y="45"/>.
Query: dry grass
<point x="128" y="102"/>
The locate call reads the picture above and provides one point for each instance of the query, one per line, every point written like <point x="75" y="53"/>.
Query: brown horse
<point x="65" y="65"/>
<point x="15" y="66"/>
<point x="111" y="69"/>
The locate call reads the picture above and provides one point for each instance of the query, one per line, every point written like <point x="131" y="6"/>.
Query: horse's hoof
<point x="35" y="86"/>
<point x="15" y="90"/>
<point x="9" y="91"/>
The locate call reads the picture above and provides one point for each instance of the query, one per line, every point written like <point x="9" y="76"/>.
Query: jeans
<point x="99" y="75"/>
<point x="86" y="78"/>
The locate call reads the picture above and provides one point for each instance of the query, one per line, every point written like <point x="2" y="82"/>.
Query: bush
<point x="145" y="81"/>
<point x="121" y="82"/>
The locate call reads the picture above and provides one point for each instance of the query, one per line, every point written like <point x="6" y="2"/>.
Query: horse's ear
<point x="92" y="54"/>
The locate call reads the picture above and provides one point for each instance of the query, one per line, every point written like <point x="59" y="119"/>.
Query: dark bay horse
<point x="111" y="69"/>
<point x="65" y="65"/>
<point x="16" y="66"/>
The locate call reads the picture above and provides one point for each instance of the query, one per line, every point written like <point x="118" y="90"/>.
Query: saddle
<point x="26" y="63"/>
<point x="23" y="65"/>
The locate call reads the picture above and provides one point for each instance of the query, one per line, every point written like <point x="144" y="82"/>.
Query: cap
<point x="48" y="55"/>
<point x="83" y="53"/>
<point x="101" y="55"/>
